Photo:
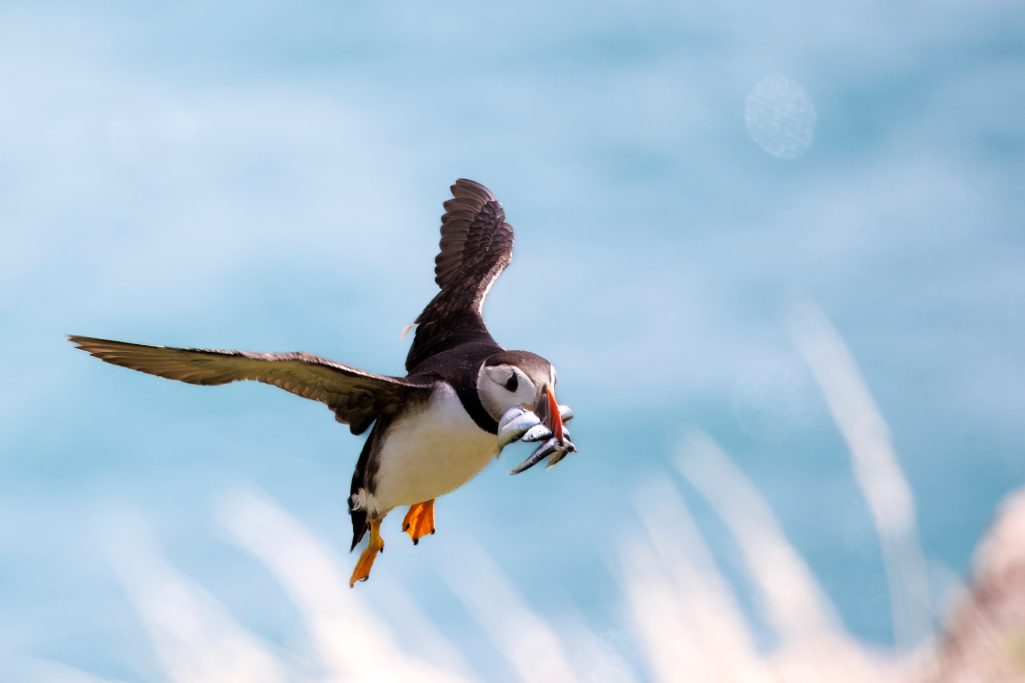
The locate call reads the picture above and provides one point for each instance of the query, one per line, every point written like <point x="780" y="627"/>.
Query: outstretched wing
<point x="356" y="397"/>
<point x="476" y="246"/>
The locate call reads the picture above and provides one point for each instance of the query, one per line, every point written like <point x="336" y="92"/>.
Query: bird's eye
<point x="512" y="383"/>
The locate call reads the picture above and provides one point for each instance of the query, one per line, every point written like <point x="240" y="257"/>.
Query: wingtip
<point x="84" y="343"/>
<point x="465" y="186"/>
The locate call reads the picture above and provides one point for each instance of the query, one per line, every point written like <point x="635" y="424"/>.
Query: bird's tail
<point x="361" y="481"/>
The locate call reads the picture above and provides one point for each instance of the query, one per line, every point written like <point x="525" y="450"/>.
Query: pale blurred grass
<point x="683" y="616"/>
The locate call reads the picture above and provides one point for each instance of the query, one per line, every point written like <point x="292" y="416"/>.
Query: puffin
<point x="464" y="397"/>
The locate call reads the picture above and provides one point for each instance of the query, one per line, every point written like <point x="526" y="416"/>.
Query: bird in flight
<point x="463" y="399"/>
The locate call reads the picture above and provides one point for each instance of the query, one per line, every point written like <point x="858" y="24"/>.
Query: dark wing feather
<point x="476" y="246"/>
<point x="356" y="397"/>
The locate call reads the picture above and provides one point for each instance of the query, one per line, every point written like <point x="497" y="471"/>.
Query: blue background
<point x="269" y="176"/>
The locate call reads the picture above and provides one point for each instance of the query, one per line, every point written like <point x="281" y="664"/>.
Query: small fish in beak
<point x="556" y="448"/>
<point x="517" y="423"/>
<point x="545" y="422"/>
<point x="558" y="444"/>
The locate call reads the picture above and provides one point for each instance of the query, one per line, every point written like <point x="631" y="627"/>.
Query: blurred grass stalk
<point x="876" y="470"/>
<point x="683" y="615"/>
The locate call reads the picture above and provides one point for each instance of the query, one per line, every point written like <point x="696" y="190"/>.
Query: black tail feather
<point x="362" y="478"/>
<point x="359" y="526"/>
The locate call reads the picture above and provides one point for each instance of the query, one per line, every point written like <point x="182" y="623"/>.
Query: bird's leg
<point x="366" y="559"/>
<point x="419" y="520"/>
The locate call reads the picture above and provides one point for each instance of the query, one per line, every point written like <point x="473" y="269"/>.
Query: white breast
<point x="429" y="452"/>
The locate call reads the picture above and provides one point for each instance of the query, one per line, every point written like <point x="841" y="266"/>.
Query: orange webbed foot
<point x="366" y="559"/>
<point x="419" y="520"/>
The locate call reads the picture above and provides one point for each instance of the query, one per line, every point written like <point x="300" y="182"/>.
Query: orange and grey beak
<point x="548" y="411"/>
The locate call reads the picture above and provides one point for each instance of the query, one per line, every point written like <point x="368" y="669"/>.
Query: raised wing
<point x="476" y="246"/>
<point x="356" y="397"/>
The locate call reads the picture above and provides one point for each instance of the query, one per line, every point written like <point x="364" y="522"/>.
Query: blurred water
<point x="270" y="177"/>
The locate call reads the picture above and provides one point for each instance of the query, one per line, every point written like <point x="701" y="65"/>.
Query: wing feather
<point x="476" y="246"/>
<point x="357" y="397"/>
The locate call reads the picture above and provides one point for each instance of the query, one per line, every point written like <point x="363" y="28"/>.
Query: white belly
<point x="429" y="452"/>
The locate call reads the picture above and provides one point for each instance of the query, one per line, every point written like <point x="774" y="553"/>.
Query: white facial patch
<point x="502" y="387"/>
<point x="500" y="374"/>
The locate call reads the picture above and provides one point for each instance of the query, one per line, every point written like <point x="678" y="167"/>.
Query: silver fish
<point x="555" y="447"/>
<point x="514" y="424"/>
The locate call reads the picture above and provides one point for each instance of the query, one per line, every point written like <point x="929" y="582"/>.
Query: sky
<point x="682" y="178"/>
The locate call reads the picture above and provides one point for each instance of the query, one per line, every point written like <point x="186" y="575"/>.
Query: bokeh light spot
<point x="780" y="117"/>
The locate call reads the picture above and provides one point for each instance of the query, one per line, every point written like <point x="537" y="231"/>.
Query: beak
<point x="548" y="410"/>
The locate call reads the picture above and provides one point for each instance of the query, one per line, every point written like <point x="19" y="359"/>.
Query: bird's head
<point x="519" y="378"/>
